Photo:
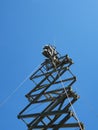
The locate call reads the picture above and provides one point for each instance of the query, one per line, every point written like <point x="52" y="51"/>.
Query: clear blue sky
<point x="25" y="27"/>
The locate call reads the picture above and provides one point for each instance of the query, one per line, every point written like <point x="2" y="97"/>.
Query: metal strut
<point x="48" y="106"/>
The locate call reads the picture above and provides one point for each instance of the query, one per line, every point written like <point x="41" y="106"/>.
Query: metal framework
<point x="51" y="98"/>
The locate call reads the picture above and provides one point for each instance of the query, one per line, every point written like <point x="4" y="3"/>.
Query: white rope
<point x="16" y="89"/>
<point x="68" y="98"/>
<point x="71" y="104"/>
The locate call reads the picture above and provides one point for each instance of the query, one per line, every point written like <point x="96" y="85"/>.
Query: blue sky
<point x="25" y="27"/>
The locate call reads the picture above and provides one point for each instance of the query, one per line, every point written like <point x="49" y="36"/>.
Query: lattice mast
<point x="52" y="97"/>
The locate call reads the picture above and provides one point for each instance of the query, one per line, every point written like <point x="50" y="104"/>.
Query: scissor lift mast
<point x="52" y="93"/>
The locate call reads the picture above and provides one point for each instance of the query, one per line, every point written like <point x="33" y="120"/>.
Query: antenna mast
<point x="52" y="97"/>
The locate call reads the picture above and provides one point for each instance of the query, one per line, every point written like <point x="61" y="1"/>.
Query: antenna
<point x="52" y="97"/>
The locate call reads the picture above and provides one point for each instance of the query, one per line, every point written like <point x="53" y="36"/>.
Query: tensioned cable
<point x="71" y="104"/>
<point x="16" y="89"/>
<point x="68" y="98"/>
